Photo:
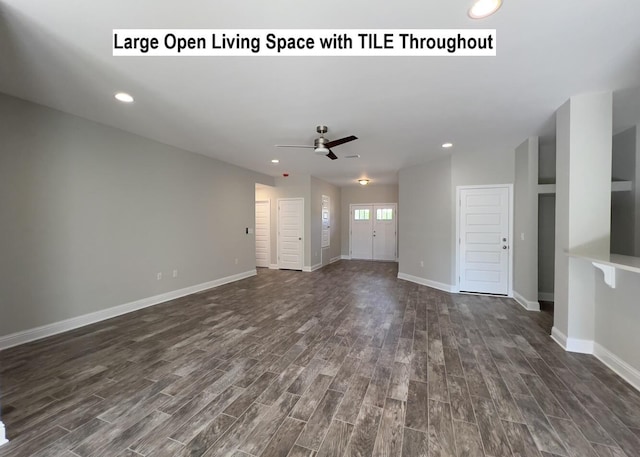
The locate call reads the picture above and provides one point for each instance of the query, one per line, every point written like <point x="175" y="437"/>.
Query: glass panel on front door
<point x="361" y="215"/>
<point x="384" y="214"/>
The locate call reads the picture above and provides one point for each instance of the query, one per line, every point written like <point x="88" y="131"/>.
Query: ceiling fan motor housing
<point x="320" y="148"/>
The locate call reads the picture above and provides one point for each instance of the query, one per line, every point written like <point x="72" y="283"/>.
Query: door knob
<point x="504" y="247"/>
<point x="300" y="239"/>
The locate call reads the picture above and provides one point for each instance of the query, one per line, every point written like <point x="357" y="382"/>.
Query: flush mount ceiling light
<point x="363" y="182"/>
<point x="275" y="161"/>
<point x="123" y="97"/>
<point x="484" y="8"/>
<point x="447" y="145"/>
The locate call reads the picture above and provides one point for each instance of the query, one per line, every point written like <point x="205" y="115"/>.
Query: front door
<point x="362" y="232"/>
<point x="384" y="232"/>
<point x="373" y="231"/>
<point x="484" y="240"/>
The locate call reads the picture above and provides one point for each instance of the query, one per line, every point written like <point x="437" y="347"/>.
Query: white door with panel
<point x="362" y="232"/>
<point x="373" y="232"/>
<point x="263" y="233"/>
<point x="384" y="232"/>
<point x="484" y="225"/>
<point x="290" y="230"/>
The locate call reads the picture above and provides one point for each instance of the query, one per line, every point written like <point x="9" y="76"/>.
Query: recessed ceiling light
<point x="124" y="97"/>
<point x="275" y="161"/>
<point x="447" y="145"/>
<point x="364" y="182"/>
<point x="484" y="8"/>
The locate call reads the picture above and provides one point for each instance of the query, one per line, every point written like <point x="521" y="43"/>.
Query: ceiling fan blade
<point x="344" y="140"/>
<point x="331" y="155"/>
<point x="293" y="146"/>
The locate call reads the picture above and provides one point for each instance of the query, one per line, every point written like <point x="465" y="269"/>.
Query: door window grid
<point x="384" y="214"/>
<point x="361" y="215"/>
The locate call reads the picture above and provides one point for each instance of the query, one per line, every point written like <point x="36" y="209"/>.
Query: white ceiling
<point x="58" y="53"/>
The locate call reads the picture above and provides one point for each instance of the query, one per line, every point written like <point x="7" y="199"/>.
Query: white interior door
<point x="362" y="232"/>
<point x="484" y="240"/>
<point x="384" y="232"/>
<point x="263" y="233"/>
<point x="290" y="230"/>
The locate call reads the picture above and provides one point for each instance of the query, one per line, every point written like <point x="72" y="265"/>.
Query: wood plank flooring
<point x="345" y="361"/>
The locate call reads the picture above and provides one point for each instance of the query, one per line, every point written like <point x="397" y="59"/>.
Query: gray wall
<point x="363" y="194"/>
<point x="91" y="214"/>
<point x="425" y="223"/>
<point x="319" y="254"/>
<point x="547" y="161"/>
<point x="617" y="317"/>
<point x="482" y="167"/>
<point x="525" y="242"/>
<point x="623" y="204"/>
<point x="546" y="245"/>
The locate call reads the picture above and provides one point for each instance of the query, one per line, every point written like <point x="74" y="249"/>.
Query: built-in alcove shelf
<point x="608" y="263"/>
<point x="616" y="186"/>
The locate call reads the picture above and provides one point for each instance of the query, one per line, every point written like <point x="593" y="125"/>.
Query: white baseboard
<point x="44" y="331"/>
<point x="622" y="368"/>
<point x="335" y="259"/>
<point x="617" y="365"/>
<point x="427" y="282"/>
<point x="559" y="337"/>
<point x="345" y="257"/>
<point x="526" y="304"/>
<point x="3" y="436"/>
<point x="273" y="266"/>
<point x="572" y="344"/>
<point x="545" y="296"/>
<point x="315" y="267"/>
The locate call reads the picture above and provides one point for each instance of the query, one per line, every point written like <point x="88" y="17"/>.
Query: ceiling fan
<point x="323" y="146"/>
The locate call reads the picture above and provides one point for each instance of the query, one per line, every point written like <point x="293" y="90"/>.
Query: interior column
<point x="583" y="212"/>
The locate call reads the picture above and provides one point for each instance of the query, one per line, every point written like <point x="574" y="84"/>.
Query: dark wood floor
<point x="347" y="360"/>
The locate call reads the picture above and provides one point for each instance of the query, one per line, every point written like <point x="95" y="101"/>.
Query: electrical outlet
<point x="236" y="261"/>
<point x="175" y="273"/>
<point x="422" y="263"/>
<point x="159" y="276"/>
<point x="522" y="236"/>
